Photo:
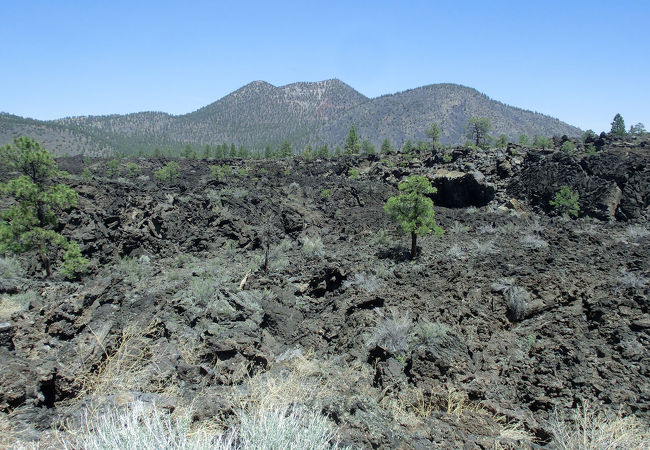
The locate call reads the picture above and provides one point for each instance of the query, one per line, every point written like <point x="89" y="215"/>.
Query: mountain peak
<point x="303" y="113"/>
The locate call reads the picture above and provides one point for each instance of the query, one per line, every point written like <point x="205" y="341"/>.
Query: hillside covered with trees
<point x="260" y="115"/>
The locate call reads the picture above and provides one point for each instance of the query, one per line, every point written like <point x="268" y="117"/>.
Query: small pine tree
<point x="112" y="168"/>
<point x="243" y="152"/>
<point x="286" y="151"/>
<point x="542" y="142"/>
<point x="413" y="209"/>
<point x="434" y="134"/>
<point x="353" y="174"/>
<point x="323" y="151"/>
<point x="524" y="139"/>
<point x="367" y="148"/>
<point x="132" y="169"/>
<point x="188" y="152"/>
<point x="638" y="129"/>
<point x="566" y="202"/>
<point x="618" y="126"/>
<point x="386" y="148"/>
<point x="308" y="153"/>
<point x="169" y="173"/>
<point x="219" y="152"/>
<point x="352" y="142"/>
<point x="589" y="136"/>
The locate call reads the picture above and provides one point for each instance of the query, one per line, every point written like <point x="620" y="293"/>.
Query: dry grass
<point x="11" y="304"/>
<point x="298" y="380"/>
<point x="593" y="429"/>
<point x="130" y="367"/>
<point x="280" y="405"/>
<point x="8" y="437"/>
<point x="411" y="406"/>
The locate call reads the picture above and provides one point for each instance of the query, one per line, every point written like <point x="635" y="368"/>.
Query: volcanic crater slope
<point x="305" y="113"/>
<point x="514" y="316"/>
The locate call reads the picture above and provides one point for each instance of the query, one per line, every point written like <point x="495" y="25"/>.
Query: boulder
<point x="460" y="189"/>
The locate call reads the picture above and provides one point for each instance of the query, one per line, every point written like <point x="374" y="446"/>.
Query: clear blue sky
<point x="579" y="61"/>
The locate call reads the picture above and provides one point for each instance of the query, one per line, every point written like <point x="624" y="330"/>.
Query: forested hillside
<point x="260" y="115"/>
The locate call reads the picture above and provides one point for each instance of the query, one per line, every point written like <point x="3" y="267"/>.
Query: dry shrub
<point x="130" y="367"/>
<point x="590" y="428"/>
<point x="11" y="304"/>
<point x="411" y="406"/>
<point x="297" y="380"/>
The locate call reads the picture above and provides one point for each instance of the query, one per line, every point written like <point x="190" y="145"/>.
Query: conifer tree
<point x="618" y="126"/>
<point x="413" y="209"/>
<point x="434" y="134"/>
<point x="386" y="148"/>
<point x="31" y="222"/>
<point x="477" y="131"/>
<point x="352" y="142"/>
<point x="367" y="148"/>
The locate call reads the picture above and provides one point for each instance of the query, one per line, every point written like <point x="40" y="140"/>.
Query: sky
<point x="579" y="61"/>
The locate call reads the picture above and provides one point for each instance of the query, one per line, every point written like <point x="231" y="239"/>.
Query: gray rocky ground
<point x="513" y="315"/>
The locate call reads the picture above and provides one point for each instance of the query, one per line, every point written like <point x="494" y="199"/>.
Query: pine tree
<point x="367" y="148"/>
<point x="243" y="152"/>
<point x="285" y="150"/>
<point x="477" y="131"/>
<point x="323" y="151"/>
<point x="618" y="126"/>
<point x="32" y="221"/>
<point x="413" y="209"/>
<point x="434" y="134"/>
<point x="386" y="148"/>
<point x="352" y="142"/>
<point x="219" y="152"/>
<point x="188" y="152"/>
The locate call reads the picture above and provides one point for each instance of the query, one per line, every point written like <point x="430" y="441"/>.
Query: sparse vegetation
<point x="257" y="302"/>
<point x="10" y="268"/>
<point x="393" y="333"/>
<point x="591" y="429"/>
<point x="431" y="333"/>
<point x="518" y="298"/>
<point x="312" y="246"/>
<point x="534" y="242"/>
<point x="169" y="173"/>
<point x="11" y="304"/>
<point x="353" y="174"/>
<point x="566" y="202"/>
